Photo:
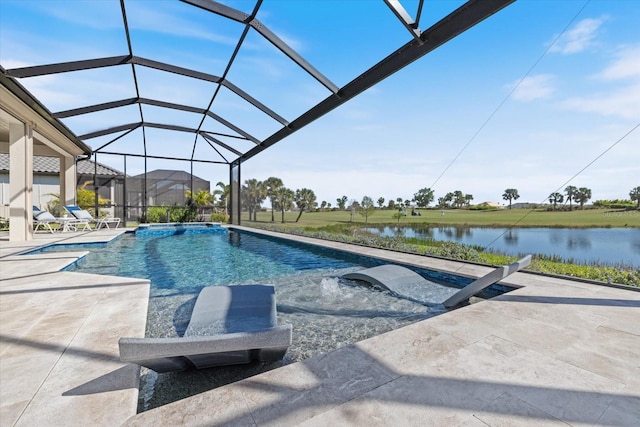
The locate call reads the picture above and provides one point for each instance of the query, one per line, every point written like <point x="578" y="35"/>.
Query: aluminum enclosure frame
<point x="421" y="43"/>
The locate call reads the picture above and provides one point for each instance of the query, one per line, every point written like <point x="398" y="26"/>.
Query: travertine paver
<point x="554" y="352"/>
<point x="59" y="331"/>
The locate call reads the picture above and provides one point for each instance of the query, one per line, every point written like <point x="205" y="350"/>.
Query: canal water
<point x="610" y="246"/>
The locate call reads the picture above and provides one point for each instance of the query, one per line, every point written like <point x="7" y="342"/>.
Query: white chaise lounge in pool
<point x="229" y="325"/>
<point x="409" y="284"/>
<point x="403" y="282"/>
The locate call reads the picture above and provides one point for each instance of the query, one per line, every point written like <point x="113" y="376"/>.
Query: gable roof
<point x="52" y="165"/>
<point x="170" y="174"/>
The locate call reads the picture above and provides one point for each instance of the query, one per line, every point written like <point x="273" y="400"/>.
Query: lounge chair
<point x="84" y="215"/>
<point x="229" y="325"/>
<point x="487" y="280"/>
<point x="409" y="284"/>
<point x="43" y="219"/>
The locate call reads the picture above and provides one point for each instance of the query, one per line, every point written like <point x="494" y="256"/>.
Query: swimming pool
<point x="326" y="311"/>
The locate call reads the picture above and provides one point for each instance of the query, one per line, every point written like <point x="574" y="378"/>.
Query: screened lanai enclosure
<point x="197" y="84"/>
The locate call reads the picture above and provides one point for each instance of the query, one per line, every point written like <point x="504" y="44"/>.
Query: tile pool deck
<point x="553" y="352"/>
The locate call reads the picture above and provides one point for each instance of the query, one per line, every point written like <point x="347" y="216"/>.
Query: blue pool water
<point x="326" y="311"/>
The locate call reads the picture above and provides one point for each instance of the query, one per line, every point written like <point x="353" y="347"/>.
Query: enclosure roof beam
<point x="235" y="89"/>
<point x="458" y="21"/>
<point x="170" y="127"/>
<point x="95" y="108"/>
<point x="65" y="67"/>
<point x="163" y="157"/>
<point x="110" y="130"/>
<point x="238" y="16"/>
<point x="210" y="138"/>
<point x="404" y="17"/>
<point x="156" y="103"/>
<point x="233" y="127"/>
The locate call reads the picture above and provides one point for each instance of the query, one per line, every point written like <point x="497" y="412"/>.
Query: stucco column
<point x="67" y="181"/>
<point x="20" y="182"/>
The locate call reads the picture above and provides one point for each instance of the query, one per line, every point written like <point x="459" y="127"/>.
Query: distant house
<point x="495" y="205"/>
<point x="164" y="188"/>
<point x="46" y="180"/>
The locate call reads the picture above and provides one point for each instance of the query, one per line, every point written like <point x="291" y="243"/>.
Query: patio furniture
<point x="487" y="280"/>
<point x="43" y="219"/>
<point x="229" y="325"/>
<point x="404" y="283"/>
<point x="409" y="284"/>
<point x="84" y="215"/>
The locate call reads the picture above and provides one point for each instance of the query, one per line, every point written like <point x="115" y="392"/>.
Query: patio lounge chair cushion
<point x="44" y="216"/>
<point x="42" y="219"/>
<point x="82" y="214"/>
<point x="86" y="217"/>
<point x="229" y="325"/>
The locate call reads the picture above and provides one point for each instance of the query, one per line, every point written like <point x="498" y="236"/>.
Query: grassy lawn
<point x="588" y="218"/>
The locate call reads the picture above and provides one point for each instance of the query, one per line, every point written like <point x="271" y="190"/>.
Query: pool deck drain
<point x="552" y="352"/>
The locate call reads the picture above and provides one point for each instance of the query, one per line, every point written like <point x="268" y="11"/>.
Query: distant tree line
<point x="283" y="199"/>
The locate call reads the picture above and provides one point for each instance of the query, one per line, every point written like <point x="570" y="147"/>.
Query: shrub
<point x="482" y="207"/>
<point x="219" y="217"/>
<point x="156" y="214"/>
<point x="614" y="204"/>
<point x="454" y="251"/>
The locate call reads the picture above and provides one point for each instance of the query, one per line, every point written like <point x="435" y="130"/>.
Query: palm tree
<point x="555" y="198"/>
<point x="634" y="195"/>
<point x="571" y="193"/>
<point x="342" y="202"/>
<point x="305" y="199"/>
<point x="223" y="192"/>
<point x="200" y="199"/>
<point x="272" y="183"/>
<point x="510" y="194"/>
<point x="380" y="202"/>
<point x="254" y="192"/>
<point x="284" y="199"/>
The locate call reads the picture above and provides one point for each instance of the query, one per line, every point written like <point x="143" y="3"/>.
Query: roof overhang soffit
<point x="19" y="103"/>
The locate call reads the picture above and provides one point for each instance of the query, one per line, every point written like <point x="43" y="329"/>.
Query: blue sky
<point x="525" y="100"/>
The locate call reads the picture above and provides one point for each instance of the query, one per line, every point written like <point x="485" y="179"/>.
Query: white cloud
<point x="145" y="16"/>
<point x="622" y="100"/>
<point x="540" y="86"/>
<point x="578" y="38"/>
<point x="626" y="65"/>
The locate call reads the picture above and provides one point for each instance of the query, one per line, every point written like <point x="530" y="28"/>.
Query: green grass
<point x="338" y="225"/>
<point x="587" y="218"/>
